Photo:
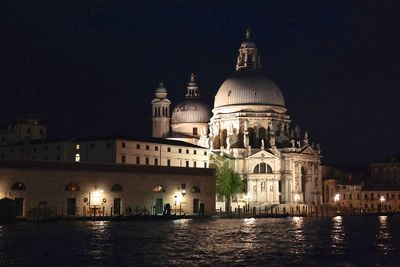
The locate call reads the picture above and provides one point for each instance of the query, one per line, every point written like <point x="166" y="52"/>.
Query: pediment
<point x="262" y="154"/>
<point x="309" y="151"/>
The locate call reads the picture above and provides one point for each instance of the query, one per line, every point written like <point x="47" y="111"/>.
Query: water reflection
<point x="337" y="235"/>
<point x="297" y="235"/>
<point x="384" y="237"/>
<point x="99" y="235"/>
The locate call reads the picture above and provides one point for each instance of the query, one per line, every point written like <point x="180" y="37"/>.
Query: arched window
<point x="262" y="168"/>
<point x="77" y="158"/>
<point x="158" y="189"/>
<point x="195" y="189"/>
<point x="116" y="188"/>
<point x="19" y="186"/>
<point x="72" y="187"/>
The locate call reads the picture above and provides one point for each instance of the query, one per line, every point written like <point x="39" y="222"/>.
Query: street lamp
<point x="382" y="199"/>
<point x="248" y="198"/>
<point x="337" y="199"/>
<point x="297" y="199"/>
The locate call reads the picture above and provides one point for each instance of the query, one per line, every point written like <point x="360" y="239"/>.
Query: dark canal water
<point x="339" y="241"/>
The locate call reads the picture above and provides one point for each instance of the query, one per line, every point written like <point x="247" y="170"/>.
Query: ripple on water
<point x="307" y="241"/>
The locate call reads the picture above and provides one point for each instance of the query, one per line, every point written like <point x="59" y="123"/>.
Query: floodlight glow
<point x="96" y="197"/>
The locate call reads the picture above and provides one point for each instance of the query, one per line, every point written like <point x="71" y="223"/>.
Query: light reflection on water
<point x="384" y="237"/>
<point x="337" y="235"/>
<point x="245" y="242"/>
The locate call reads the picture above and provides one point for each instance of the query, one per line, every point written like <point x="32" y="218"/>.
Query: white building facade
<point x="250" y="127"/>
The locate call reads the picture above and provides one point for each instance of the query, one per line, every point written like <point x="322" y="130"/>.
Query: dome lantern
<point x="248" y="54"/>
<point x="192" y="88"/>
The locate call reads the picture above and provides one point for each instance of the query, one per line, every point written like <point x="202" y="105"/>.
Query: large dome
<point x="247" y="87"/>
<point x="191" y="111"/>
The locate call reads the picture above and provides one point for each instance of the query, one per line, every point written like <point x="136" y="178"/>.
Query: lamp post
<point x="337" y="199"/>
<point x="382" y="199"/>
<point x="180" y="202"/>
<point x="248" y="197"/>
<point x="297" y="199"/>
<point x="175" y="203"/>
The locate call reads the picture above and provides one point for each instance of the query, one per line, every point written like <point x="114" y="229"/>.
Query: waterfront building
<point x="87" y="189"/>
<point x="250" y="127"/>
<point x="358" y="197"/>
<point x="386" y="171"/>
<point x="110" y="149"/>
<point x="22" y="131"/>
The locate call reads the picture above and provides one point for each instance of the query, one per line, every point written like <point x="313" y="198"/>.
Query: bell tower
<point x="161" y="118"/>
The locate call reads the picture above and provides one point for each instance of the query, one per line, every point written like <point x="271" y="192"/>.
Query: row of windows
<point x="168" y="149"/>
<point x="73" y="187"/>
<point x="371" y="196"/>
<point x="58" y="158"/>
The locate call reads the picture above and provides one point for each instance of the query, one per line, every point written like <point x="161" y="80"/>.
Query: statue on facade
<point x="262" y="144"/>
<point x="292" y="142"/>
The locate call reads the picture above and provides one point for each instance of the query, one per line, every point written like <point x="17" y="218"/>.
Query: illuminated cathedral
<point x="250" y="127"/>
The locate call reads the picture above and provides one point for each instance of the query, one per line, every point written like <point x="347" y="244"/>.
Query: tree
<point x="229" y="182"/>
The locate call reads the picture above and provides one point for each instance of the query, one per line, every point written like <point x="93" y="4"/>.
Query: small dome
<point x="161" y="92"/>
<point x="192" y="111"/>
<point x="249" y="87"/>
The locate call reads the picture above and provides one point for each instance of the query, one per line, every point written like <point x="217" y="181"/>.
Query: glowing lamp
<point x="382" y="199"/>
<point x="96" y="197"/>
<point x="336" y="198"/>
<point x="297" y="198"/>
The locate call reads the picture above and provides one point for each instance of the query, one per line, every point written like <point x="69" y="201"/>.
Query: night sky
<point x="90" y="67"/>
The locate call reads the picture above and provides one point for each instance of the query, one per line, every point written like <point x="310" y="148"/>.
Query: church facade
<point x="250" y="127"/>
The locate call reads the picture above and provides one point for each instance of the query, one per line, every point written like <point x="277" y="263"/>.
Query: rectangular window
<point x="123" y="159"/>
<point x="205" y="153"/>
<point x="156" y="161"/>
<point x="183" y="186"/>
<point x="168" y="162"/>
<point x="187" y="163"/>
<point x="194" y="152"/>
<point x="194" y="164"/>
<point x="194" y="131"/>
<point x="147" y="161"/>
<point x="187" y="151"/>
<point x="137" y="160"/>
<point x="169" y="149"/>
<point x="147" y="147"/>
<point x="28" y="130"/>
<point x="156" y="148"/>
<point x="58" y="147"/>
<point x="77" y="146"/>
<point x="180" y="150"/>
<point x="205" y="164"/>
<point x="58" y="157"/>
<point x="123" y="144"/>
<point x="137" y="146"/>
